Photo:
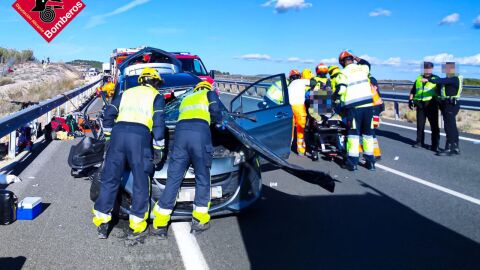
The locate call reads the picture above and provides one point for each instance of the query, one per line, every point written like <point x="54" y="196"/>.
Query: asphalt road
<point x="374" y="220"/>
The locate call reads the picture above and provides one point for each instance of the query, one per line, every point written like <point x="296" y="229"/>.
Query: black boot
<point x="102" y="231"/>
<point x="137" y="236"/>
<point x="417" y="145"/>
<point x="198" y="228"/>
<point x="435" y="148"/>
<point x="448" y="151"/>
<point x="456" y="149"/>
<point x="160" y="232"/>
<point x="349" y="167"/>
<point x="370" y="166"/>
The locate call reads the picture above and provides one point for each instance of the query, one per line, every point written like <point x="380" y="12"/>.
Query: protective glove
<point x="411" y="104"/>
<point x="157" y="154"/>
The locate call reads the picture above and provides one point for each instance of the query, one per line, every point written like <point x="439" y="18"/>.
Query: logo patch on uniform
<point x="48" y="17"/>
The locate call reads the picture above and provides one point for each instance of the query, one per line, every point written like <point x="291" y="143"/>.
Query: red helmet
<point x="294" y="72"/>
<point x="344" y="54"/>
<point x="321" y="69"/>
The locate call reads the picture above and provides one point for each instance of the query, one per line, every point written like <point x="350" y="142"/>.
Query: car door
<point x="274" y="115"/>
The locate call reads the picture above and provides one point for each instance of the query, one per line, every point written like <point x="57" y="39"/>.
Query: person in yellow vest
<point x="134" y="120"/>
<point x="192" y="146"/>
<point x="423" y="97"/>
<point x="320" y="81"/>
<point x="378" y="108"/>
<point x="274" y="95"/>
<point x="109" y="89"/>
<point x="353" y="82"/>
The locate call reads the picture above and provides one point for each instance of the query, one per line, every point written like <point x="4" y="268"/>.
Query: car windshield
<point x="194" y="66"/>
<point x="172" y="109"/>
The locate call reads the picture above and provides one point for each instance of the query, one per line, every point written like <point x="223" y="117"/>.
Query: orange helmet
<point x="343" y="55"/>
<point x="294" y="72"/>
<point x="321" y="69"/>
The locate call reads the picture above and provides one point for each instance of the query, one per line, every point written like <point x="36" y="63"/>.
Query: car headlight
<point x="239" y="158"/>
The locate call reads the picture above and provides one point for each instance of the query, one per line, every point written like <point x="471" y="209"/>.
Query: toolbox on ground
<point x="29" y="208"/>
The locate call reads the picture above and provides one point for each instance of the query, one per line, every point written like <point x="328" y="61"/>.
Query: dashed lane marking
<point x="191" y="254"/>
<point x="429" y="184"/>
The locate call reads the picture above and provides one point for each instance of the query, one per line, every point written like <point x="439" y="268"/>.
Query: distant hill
<point x="90" y="63"/>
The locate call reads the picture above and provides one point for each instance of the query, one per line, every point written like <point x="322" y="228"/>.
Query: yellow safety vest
<point x="275" y="92"/>
<point x="424" y="92"/>
<point x="357" y="91"/>
<point x="195" y="106"/>
<point x="459" y="90"/>
<point x="137" y="106"/>
<point x="320" y="81"/>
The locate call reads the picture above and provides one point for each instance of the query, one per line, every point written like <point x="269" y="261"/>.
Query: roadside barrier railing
<point x="466" y="103"/>
<point x="9" y="124"/>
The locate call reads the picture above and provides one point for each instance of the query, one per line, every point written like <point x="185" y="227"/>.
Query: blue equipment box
<point x="29" y="208"/>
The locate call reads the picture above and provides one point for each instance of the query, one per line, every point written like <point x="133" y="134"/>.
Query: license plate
<point x="188" y="194"/>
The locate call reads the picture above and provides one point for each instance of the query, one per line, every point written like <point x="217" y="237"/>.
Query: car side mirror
<point x="212" y="74"/>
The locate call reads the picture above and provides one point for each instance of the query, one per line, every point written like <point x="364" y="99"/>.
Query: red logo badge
<point x="48" y="17"/>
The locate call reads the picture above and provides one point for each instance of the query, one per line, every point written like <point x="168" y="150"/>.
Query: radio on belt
<point x="29" y="208"/>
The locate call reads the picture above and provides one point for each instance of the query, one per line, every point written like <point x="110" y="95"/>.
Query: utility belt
<point x="449" y="100"/>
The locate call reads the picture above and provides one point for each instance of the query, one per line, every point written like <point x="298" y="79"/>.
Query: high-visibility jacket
<point x="137" y="106"/>
<point x="424" y="92"/>
<point x="354" y="84"/>
<point x="195" y="106"/>
<point x="319" y="82"/>
<point x="275" y="92"/>
<point x="377" y="100"/>
<point x="459" y="90"/>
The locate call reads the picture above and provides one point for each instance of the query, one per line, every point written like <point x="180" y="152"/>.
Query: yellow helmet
<point x="109" y="88"/>
<point x="307" y="74"/>
<point x="203" y="86"/>
<point x="150" y="73"/>
<point x="333" y="70"/>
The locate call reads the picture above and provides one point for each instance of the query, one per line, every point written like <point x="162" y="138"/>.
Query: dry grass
<point x="6" y="80"/>
<point x="467" y="121"/>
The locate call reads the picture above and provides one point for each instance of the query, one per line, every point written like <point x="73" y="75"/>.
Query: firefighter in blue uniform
<point x="133" y="118"/>
<point x="192" y="145"/>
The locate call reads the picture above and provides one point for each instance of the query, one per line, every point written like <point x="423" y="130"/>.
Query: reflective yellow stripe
<point x="195" y="106"/>
<point x="137" y="106"/>
<point x="353" y="144"/>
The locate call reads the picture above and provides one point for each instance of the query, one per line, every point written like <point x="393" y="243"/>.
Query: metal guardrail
<point x="10" y="123"/>
<point x="466" y="103"/>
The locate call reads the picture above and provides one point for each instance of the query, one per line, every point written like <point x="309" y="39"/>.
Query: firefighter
<point x="451" y="90"/>
<point x="192" y="146"/>
<point x="378" y="108"/>
<point x="354" y="84"/>
<point x="320" y="81"/>
<point x="138" y="115"/>
<point x="423" y="97"/>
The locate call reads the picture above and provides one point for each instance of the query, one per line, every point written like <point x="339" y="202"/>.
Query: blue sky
<point x="265" y="37"/>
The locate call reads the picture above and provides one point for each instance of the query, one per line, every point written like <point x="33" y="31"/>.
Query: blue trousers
<point x="359" y="124"/>
<point x="132" y="145"/>
<point x="192" y="145"/>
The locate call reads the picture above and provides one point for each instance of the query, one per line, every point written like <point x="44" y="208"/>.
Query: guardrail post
<point x="57" y="112"/>
<point x="12" y="145"/>
<point x="49" y="116"/>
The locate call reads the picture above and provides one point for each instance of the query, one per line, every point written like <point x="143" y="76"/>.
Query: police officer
<point x="450" y="93"/>
<point x="192" y="145"/>
<point x="137" y="113"/>
<point x="354" y="85"/>
<point x="423" y="97"/>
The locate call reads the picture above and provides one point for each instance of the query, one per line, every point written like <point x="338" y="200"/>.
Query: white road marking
<point x="429" y="184"/>
<point x="429" y="131"/>
<point x="192" y="256"/>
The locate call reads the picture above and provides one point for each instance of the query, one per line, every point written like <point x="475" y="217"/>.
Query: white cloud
<point x="293" y="59"/>
<point x="308" y="61"/>
<point x="255" y="56"/>
<point x="476" y="22"/>
<point x="282" y="6"/>
<point x="329" y="61"/>
<point x="450" y="19"/>
<point x="380" y="12"/>
<point x="101" y="19"/>
<point x="473" y="60"/>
